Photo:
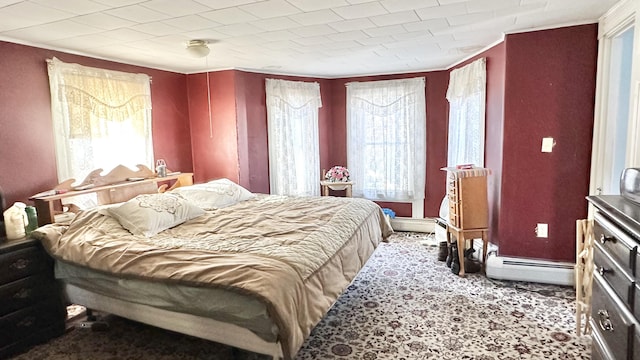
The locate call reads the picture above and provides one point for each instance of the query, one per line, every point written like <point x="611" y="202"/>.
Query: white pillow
<point x="215" y="194"/>
<point x="149" y="214"/>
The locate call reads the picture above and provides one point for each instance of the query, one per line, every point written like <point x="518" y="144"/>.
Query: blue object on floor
<point x="389" y="212"/>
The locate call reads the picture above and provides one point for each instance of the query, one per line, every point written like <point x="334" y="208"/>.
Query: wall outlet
<point x="542" y="230"/>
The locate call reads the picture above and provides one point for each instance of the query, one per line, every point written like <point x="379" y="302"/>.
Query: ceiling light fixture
<point x="198" y="48"/>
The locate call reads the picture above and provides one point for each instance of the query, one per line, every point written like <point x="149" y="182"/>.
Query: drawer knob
<point x="602" y="270"/>
<point x="23" y="294"/>
<point x="26" y="322"/>
<point x="604" y="238"/>
<point x="604" y="322"/>
<point x="20" y="264"/>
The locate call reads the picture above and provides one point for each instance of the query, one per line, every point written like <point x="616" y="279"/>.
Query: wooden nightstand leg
<point x="461" y="246"/>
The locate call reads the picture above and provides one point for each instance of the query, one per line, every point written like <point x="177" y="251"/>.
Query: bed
<point x="256" y="272"/>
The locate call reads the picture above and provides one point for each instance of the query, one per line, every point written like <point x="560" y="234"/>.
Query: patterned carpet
<point x="403" y="305"/>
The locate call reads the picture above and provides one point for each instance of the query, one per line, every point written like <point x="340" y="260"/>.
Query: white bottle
<point x="15" y="220"/>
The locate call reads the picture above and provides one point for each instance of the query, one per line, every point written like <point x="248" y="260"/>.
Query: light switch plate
<point x="542" y="230"/>
<point x="547" y="144"/>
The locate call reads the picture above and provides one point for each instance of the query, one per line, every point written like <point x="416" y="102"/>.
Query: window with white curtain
<point x="292" y="123"/>
<point x="386" y="139"/>
<point x="101" y="119"/>
<point x="466" y="95"/>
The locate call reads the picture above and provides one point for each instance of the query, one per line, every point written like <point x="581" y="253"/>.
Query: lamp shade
<point x="198" y="48"/>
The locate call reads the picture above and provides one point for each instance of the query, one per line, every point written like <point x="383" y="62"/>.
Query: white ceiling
<point x="322" y="38"/>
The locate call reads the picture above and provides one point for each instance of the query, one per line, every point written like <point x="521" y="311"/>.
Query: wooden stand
<point x="462" y="236"/>
<point x="326" y="185"/>
<point x="468" y="209"/>
<point x="121" y="184"/>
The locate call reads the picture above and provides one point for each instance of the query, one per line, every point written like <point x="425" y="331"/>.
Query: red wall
<point x="494" y="135"/>
<point x="27" y="158"/>
<point x="214" y="143"/>
<point x="539" y="84"/>
<point x="251" y="88"/>
<point x="239" y="149"/>
<point x="247" y="160"/>
<point x="549" y="92"/>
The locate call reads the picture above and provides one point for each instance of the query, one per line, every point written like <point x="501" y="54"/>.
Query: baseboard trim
<point x="522" y="269"/>
<point x="426" y="225"/>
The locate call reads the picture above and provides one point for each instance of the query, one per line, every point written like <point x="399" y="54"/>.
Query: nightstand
<point x="31" y="306"/>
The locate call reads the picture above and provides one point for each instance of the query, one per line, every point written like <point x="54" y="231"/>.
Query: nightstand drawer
<point x="22" y="263"/>
<point x="22" y="323"/>
<point x="25" y="292"/>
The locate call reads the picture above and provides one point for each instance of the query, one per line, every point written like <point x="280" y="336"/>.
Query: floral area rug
<point x="403" y="305"/>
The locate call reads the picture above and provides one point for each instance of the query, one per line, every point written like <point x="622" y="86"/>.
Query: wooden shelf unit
<point x="106" y="194"/>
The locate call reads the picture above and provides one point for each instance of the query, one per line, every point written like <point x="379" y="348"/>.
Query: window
<point x="466" y="95"/>
<point x="386" y="139"/>
<point x="292" y="122"/>
<point x="101" y="119"/>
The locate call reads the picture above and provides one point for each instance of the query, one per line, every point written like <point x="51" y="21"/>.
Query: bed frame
<point x="122" y="184"/>
<point x="117" y="186"/>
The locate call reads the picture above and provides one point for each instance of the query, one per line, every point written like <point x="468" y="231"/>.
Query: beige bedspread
<point x="295" y="254"/>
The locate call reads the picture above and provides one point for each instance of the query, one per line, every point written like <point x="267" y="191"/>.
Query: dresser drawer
<point x="614" y="275"/>
<point x="618" y="244"/>
<point x="599" y="349"/>
<point x="22" y="263"/>
<point x="613" y="323"/>
<point x="636" y="302"/>
<point x="635" y="348"/>
<point x="637" y="269"/>
<point x="22" y="323"/>
<point x="25" y="292"/>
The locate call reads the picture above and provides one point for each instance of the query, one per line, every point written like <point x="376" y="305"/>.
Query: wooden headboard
<point x="120" y="184"/>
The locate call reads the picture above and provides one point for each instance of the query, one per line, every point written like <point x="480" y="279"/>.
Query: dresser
<point x="468" y="208"/>
<point x="31" y="306"/>
<point x="615" y="300"/>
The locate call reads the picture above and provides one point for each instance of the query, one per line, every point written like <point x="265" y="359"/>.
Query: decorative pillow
<point x="149" y="214"/>
<point x="215" y="194"/>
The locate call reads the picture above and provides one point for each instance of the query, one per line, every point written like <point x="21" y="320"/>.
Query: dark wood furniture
<point x="615" y="302"/>
<point x="31" y="306"/>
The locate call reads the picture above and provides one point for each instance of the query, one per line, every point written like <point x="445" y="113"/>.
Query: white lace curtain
<point x="386" y="139"/>
<point x="466" y="95"/>
<point x="292" y="122"/>
<point x="101" y="119"/>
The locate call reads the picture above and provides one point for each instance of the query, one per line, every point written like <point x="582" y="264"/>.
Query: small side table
<point x="326" y="185"/>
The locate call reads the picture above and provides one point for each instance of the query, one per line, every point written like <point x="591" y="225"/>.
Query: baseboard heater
<point x="539" y="271"/>
<point x="425" y="225"/>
